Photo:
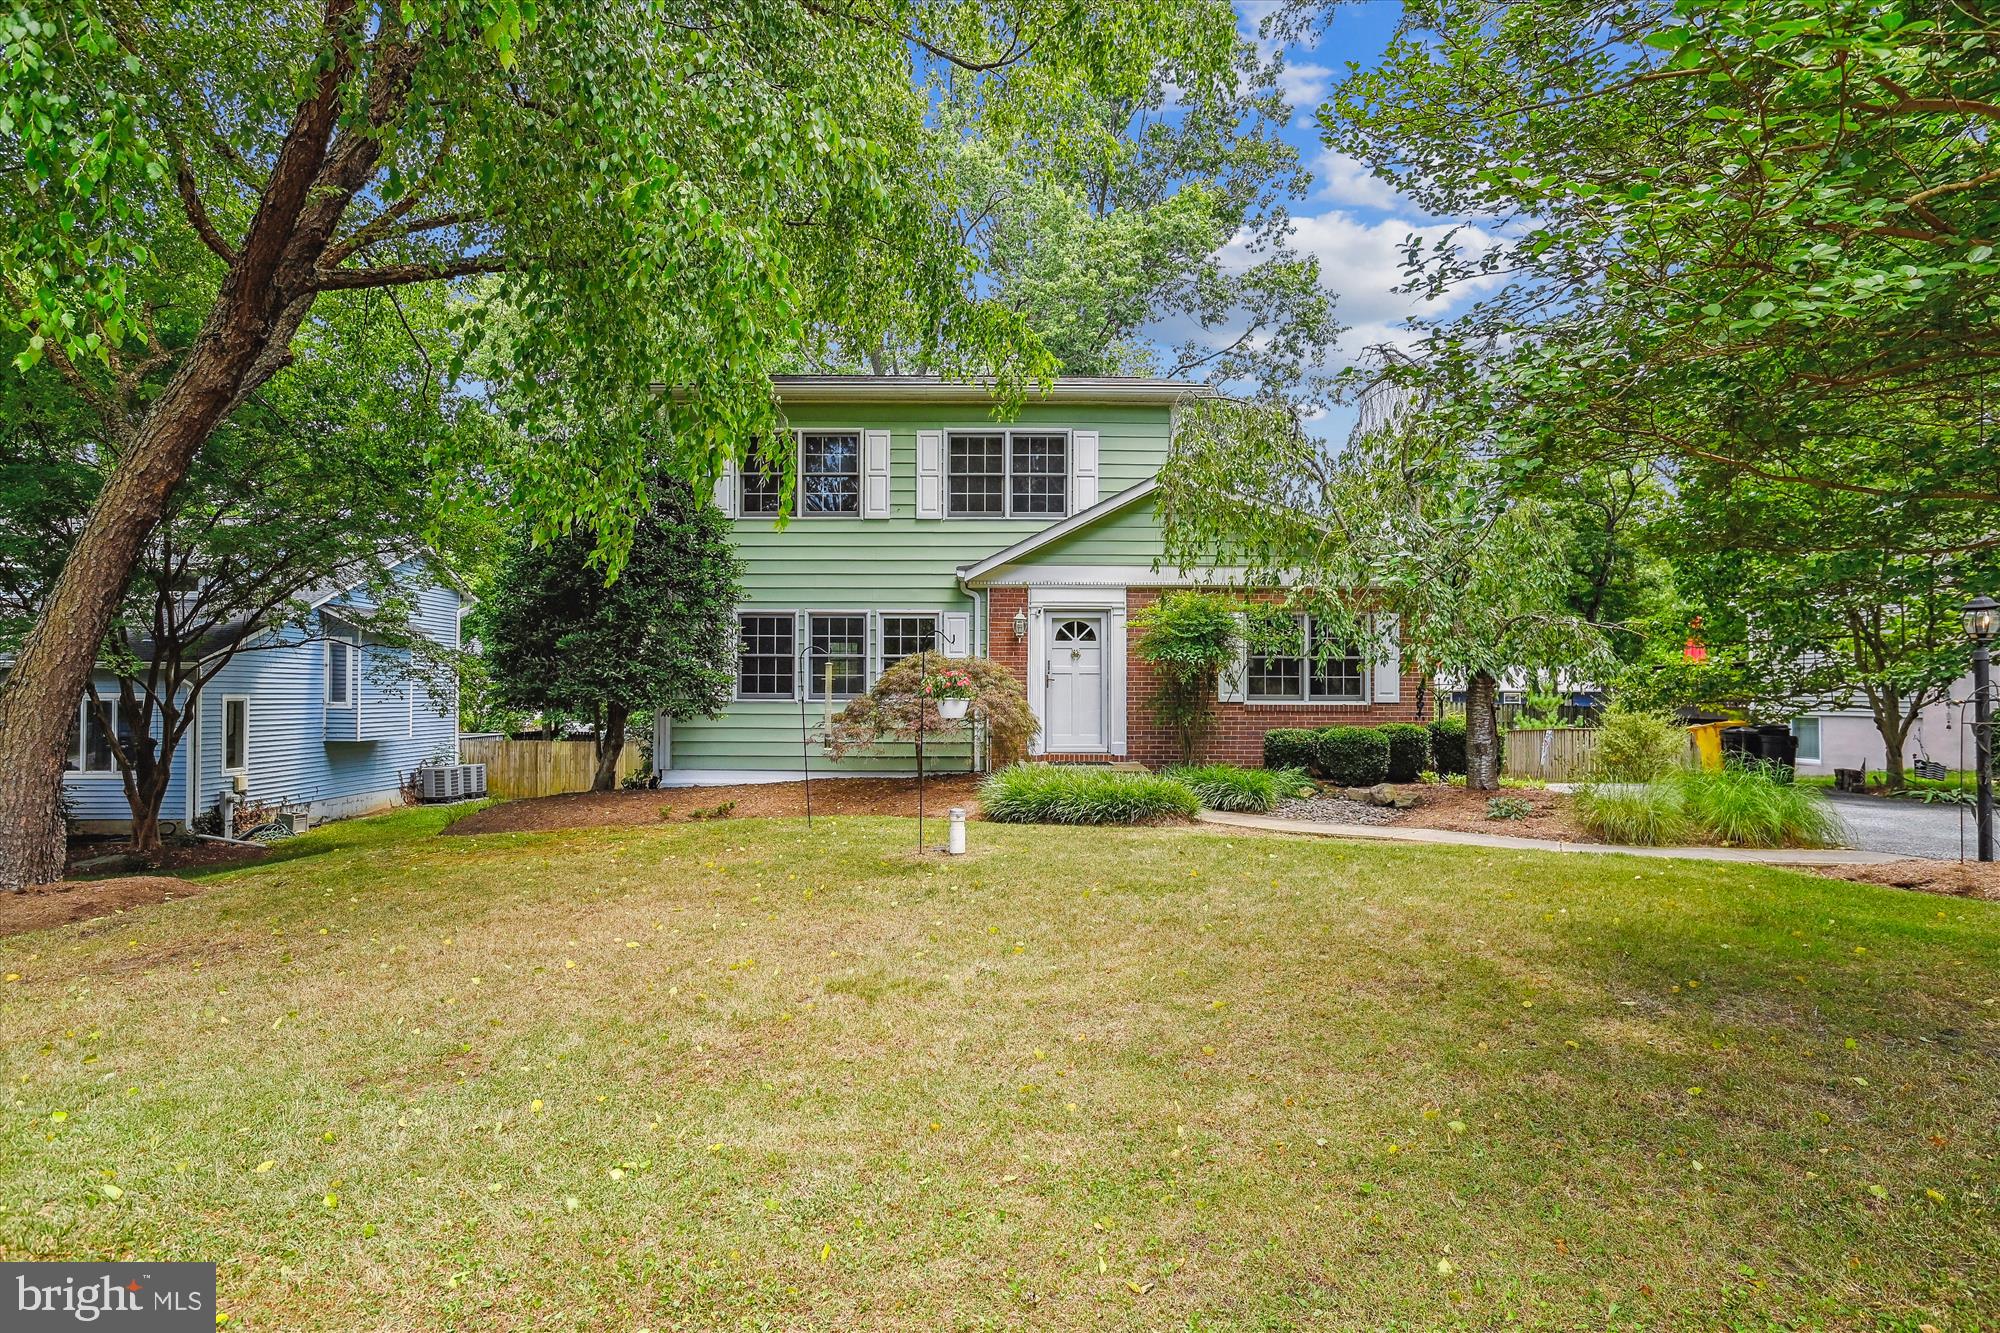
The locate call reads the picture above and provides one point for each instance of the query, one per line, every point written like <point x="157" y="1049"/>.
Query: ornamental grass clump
<point x="1249" y="790"/>
<point x="1635" y="814"/>
<point x="1082" y="794"/>
<point x="1748" y="807"/>
<point x="1732" y="806"/>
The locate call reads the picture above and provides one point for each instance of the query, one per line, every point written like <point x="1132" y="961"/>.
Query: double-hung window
<point x="1806" y="731"/>
<point x="1311" y="667"/>
<point x="342" y="658"/>
<point x="903" y="635"/>
<point x="763" y="482"/>
<point x="839" y="655"/>
<point x="828" y="464"/>
<point x="90" y="742"/>
<point x="766" y="655"/>
<point x="1007" y="474"/>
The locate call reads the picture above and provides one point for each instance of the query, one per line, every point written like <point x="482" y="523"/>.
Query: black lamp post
<point x="1982" y="622"/>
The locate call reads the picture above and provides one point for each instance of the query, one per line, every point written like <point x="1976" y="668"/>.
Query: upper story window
<point x="1007" y="474"/>
<point x="829" y="477"/>
<point x="1311" y="668"/>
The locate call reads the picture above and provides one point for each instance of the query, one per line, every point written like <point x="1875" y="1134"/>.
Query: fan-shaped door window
<point x="1076" y="631"/>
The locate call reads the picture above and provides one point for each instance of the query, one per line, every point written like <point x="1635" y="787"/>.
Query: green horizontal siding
<point x="1129" y="537"/>
<point x="899" y="563"/>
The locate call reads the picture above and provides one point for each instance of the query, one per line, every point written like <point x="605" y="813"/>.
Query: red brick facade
<point x="1238" y="732"/>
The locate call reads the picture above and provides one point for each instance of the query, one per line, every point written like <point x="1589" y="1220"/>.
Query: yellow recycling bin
<point x="1707" y="741"/>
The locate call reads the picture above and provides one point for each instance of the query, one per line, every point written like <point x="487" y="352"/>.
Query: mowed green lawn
<point x="735" y="1075"/>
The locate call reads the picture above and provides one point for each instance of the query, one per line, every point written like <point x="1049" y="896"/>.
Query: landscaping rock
<point x="1381" y="794"/>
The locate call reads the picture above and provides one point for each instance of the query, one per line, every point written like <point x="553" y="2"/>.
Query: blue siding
<point x="293" y="755"/>
<point x="101" y="796"/>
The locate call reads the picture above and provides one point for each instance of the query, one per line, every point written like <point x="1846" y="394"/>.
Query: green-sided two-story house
<point x="920" y="521"/>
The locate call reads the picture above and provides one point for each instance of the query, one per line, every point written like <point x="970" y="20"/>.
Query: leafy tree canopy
<point x="1752" y="239"/>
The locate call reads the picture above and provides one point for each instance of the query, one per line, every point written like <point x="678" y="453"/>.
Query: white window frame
<point x="1306" y="699"/>
<point x="223" y="748"/>
<point x="1819" y="739"/>
<point x="1007" y="510"/>
<point x="352" y="642"/>
<point x="803" y="642"/>
<point x="776" y="613"/>
<point x="799" y="511"/>
<point x="81" y="754"/>
<point x="879" y="656"/>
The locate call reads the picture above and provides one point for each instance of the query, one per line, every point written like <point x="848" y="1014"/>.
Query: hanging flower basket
<point x="951" y="690"/>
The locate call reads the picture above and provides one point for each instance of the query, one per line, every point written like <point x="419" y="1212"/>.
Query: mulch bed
<point x="68" y="900"/>
<point x="779" y="800"/>
<point x="1955" y="879"/>
<point x="1447" y="807"/>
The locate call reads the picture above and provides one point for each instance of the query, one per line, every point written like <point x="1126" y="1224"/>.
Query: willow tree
<point x="677" y="195"/>
<point x="1398" y="521"/>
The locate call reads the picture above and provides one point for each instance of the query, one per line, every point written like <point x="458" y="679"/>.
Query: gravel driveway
<point x="1905" y="828"/>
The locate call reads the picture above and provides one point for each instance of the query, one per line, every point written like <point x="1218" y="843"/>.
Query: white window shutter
<point x="874" y="474"/>
<point x="1231" y="681"/>
<point x="1389" y="666"/>
<point x="930" y="474"/>
<point x="1082" y="470"/>
<point x="725" y="489"/>
<point x="955" y="633"/>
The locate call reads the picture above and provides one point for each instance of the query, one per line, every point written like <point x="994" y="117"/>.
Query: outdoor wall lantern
<point x="1982" y="622"/>
<point x="1020" y="624"/>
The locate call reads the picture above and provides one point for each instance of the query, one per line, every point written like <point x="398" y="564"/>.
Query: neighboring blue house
<point x="311" y="720"/>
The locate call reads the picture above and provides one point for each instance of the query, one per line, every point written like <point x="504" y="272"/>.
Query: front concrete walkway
<point x="1778" y="856"/>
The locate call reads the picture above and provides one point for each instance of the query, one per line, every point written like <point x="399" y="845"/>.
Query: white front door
<point x="1073" y="685"/>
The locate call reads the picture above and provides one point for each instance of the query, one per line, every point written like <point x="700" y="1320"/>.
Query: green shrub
<point x="1227" y="787"/>
<point x="1409" y="750"/>
<point x="1638" y="814"/>
<point x="1748" y="807"/>
<point x="1509" y="807"/>
<point x="1637" y="746"/>
<point x="1448" y="745"/>
<point x="1291" y="747"/>
<point x="1352" y="756"/>
<point x="1083" y="794"/>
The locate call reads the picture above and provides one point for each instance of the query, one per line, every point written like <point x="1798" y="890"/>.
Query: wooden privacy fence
<point x="540" y="768"/>
<point x="1553" y="754"/>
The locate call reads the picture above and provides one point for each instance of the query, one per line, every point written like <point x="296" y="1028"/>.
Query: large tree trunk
<point x="244" y="340"/>
<point x="1482" y="734"/>
<point x="610" y="744"/>
<point x="53" y="669"/>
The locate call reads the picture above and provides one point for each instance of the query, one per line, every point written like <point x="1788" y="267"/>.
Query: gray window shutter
<point x="1082" y="470"/>
<point x="1389" y="666"/>
<point x="874" y="474"/>
<point x="725" y="489"/>
<point x="1231" y="682"/>
<point x="930" y="474"/>
<point x="955" y="633"/>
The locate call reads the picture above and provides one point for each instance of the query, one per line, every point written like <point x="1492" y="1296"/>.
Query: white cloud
<point x="1361" y="262"/>
<point x="1344" y="180"/>
<point x="1304" y="85"/>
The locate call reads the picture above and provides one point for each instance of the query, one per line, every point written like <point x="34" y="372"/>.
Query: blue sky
<point x="1352" y="222"/>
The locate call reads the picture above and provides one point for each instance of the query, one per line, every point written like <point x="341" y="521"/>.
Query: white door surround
<point x="1073" y="683"/>
<point x="1048" y="610"/>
